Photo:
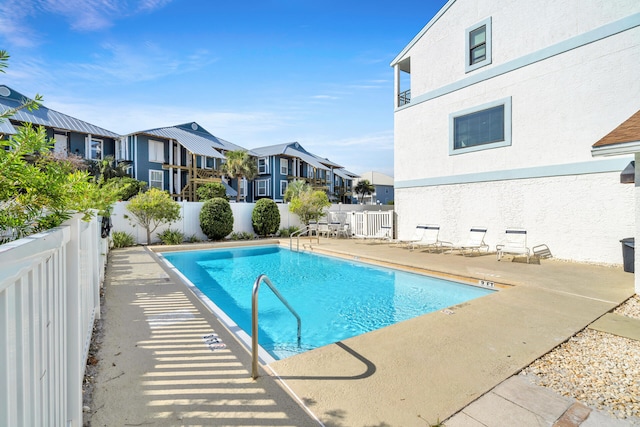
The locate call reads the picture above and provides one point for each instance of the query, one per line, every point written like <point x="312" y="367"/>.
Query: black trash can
<point x="628" y="254"/>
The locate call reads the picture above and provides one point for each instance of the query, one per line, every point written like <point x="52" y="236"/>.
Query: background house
<point x="497" y="106"/>
<point x="177" y="158"/>
<point x="383" y="185"/>
<point x="71" y="135"/>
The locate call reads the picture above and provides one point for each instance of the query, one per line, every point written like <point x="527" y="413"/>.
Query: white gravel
<point x="598" y="369"/>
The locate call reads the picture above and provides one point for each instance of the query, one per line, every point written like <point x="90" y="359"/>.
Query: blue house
<point x="71" y="135"/>
<point x="280" y="164"/>
<point x="178" y="159"/>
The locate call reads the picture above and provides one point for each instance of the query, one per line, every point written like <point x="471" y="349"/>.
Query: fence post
<point x="75" y="364"/>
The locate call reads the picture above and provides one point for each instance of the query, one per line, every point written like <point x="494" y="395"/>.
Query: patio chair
<point x="515" y="243"/>
<point x="475" y="242"/>
<point x="383" y="234"/>
<point x="323" y="228"/>
<point x="313" y="228"/>
<point x="430" y="239"/>
<point x="344" y="230"/>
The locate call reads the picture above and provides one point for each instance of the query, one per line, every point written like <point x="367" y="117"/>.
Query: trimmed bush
<point x="265" y="217"/>
<point x="211" y="191"/>
<point x="216" y="218"/>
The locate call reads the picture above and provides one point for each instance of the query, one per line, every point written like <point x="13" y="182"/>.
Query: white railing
<point x="367" y="224"/>
<point x="49" y="299"/>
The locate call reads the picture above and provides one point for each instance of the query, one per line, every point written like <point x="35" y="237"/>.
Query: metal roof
<point x="345" y="174"/>
<point x="47" y="117"/>
<point x="291" y="149"/>
<point x="230" y="191"/>
<point x="6" y="128"/>
<point x="195" y="143"/>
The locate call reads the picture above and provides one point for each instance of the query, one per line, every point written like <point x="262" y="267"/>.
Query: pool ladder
<point x="297" y="234"/>
<point x="254" y="319"/>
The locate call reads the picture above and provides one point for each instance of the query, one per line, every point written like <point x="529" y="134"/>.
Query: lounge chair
<point x="417" y="235"/>
<point x="475" y="242"/>
<point x="515" y="243"/>
<point x="430" y="239"/>
<point x="383" y="233"/>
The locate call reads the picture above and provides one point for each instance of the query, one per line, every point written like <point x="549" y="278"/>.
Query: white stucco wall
<point x="580" y="218"/>
<point x="561" y="105"/>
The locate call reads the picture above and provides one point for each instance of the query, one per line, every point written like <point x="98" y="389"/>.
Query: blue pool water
<point x="336" y="299"/>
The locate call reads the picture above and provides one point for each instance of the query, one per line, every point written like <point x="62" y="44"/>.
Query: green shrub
<point x="171" y="237"/>
<point x="216" y="218"/>
<point x="265" y="217"/>
<point x="122" y="239"/>
<point x="192" y="239"/>
<point x="242" y="235"/>
<point x="287" y="231"/>
<point x="211" y="191"/>
<point x="126" y="187"/>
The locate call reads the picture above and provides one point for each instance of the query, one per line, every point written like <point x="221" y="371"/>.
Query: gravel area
<point x="598" y="369"/>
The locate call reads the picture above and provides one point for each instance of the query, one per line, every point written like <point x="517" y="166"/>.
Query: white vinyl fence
<point x="49" y="299"/>
<point x="362" y="220"/>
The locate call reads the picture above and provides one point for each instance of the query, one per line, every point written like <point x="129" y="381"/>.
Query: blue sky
<point x="254" y="73"/>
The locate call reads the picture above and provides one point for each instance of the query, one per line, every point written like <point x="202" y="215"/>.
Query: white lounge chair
<point x="417" y="235"/>
<point x="383" y="234"/>
<point x="515" y="243"/>
<point x="475" y="242"/>
<point x="430" y="239"/>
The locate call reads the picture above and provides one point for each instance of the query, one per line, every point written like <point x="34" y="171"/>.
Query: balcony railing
<point x="404" y="98"/>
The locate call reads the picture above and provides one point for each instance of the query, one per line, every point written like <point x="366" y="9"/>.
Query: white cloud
<point x="13" y="13"/>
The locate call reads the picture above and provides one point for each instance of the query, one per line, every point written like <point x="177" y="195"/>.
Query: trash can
<point x="628" y="254"/>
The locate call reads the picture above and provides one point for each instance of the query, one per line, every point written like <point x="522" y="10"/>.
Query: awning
<point x="628" y="174"/>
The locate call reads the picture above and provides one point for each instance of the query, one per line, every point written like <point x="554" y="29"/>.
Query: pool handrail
<point x="254" y="319"/>
<point x="297" y="234"/>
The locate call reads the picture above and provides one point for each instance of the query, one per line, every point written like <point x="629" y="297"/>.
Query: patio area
<point x="156" y="366"/>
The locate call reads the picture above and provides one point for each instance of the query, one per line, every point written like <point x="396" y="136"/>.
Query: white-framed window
<point x="263" y="165"/>
<point x="478" y="45"/>
<point x="262" y="187"/>
<point x="95" y="149"/>
<point x="122" y="149"/>
<point x="284" y="166"/>
<point x="156" y="179"/>
<point x="283" y="187"/>
<point x="243" y="187"/>
<point x="156" y="151"/>
<point x="480" y="128"/>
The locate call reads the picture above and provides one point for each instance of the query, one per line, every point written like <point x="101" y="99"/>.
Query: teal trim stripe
<point x="582" y="168"/>
<point x="592" y="36"/>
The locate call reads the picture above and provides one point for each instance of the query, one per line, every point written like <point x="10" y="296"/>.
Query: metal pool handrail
<point x="254" y="319"/>
<point x="297" y="235"/>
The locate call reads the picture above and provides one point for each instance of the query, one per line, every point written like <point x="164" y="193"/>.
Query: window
<point x="478" y="45"/>
<point x="284" y="166"/>
<point x="263" y="166"/>
<point x="156" y="179"/>
<point x="95" y="150"/>
<point x="479" y="128"/>
<point x="283" y="187"/>
<point x="121" y="149"/>
<point x="262" y="187"/>
<point x="156" y="151"/>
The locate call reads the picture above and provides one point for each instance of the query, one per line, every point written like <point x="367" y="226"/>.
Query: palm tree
<point x="294" y="189"/>
<point x="364" y="188"/>
<point x="239" y="164"/>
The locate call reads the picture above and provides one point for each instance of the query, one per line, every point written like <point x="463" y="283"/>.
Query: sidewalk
<point x="160" y="364"/>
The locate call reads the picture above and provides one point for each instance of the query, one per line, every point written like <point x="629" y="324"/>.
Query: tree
<point x="39" y="191"/>
<point x="309" y="205"/>
<point x="239" y="164"/>
<point x="152" y="209"/>
<point x="107" y="168"/>
<point x="211" y="190"/>
<point x="364" y="188"/>
<point x="295" y="189"/>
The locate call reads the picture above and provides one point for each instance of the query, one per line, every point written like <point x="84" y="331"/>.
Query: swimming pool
<point x="335" y="298"/>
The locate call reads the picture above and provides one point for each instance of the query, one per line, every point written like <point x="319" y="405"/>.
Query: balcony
<point x="404" y="98"/>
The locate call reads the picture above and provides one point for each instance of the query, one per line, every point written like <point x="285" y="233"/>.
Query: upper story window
<point x="156" y="151"/>
<point x="480" y="128"/>
<point x="95" y="149"/>
<point x="478" y="45"/>
<point x="284" y="166"/>
<point x="263" y="166"/>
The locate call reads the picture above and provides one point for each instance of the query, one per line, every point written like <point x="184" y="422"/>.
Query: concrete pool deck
<point x="157" y="367"/>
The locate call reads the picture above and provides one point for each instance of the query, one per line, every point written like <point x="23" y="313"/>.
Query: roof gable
<point x="626" y="132"/>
